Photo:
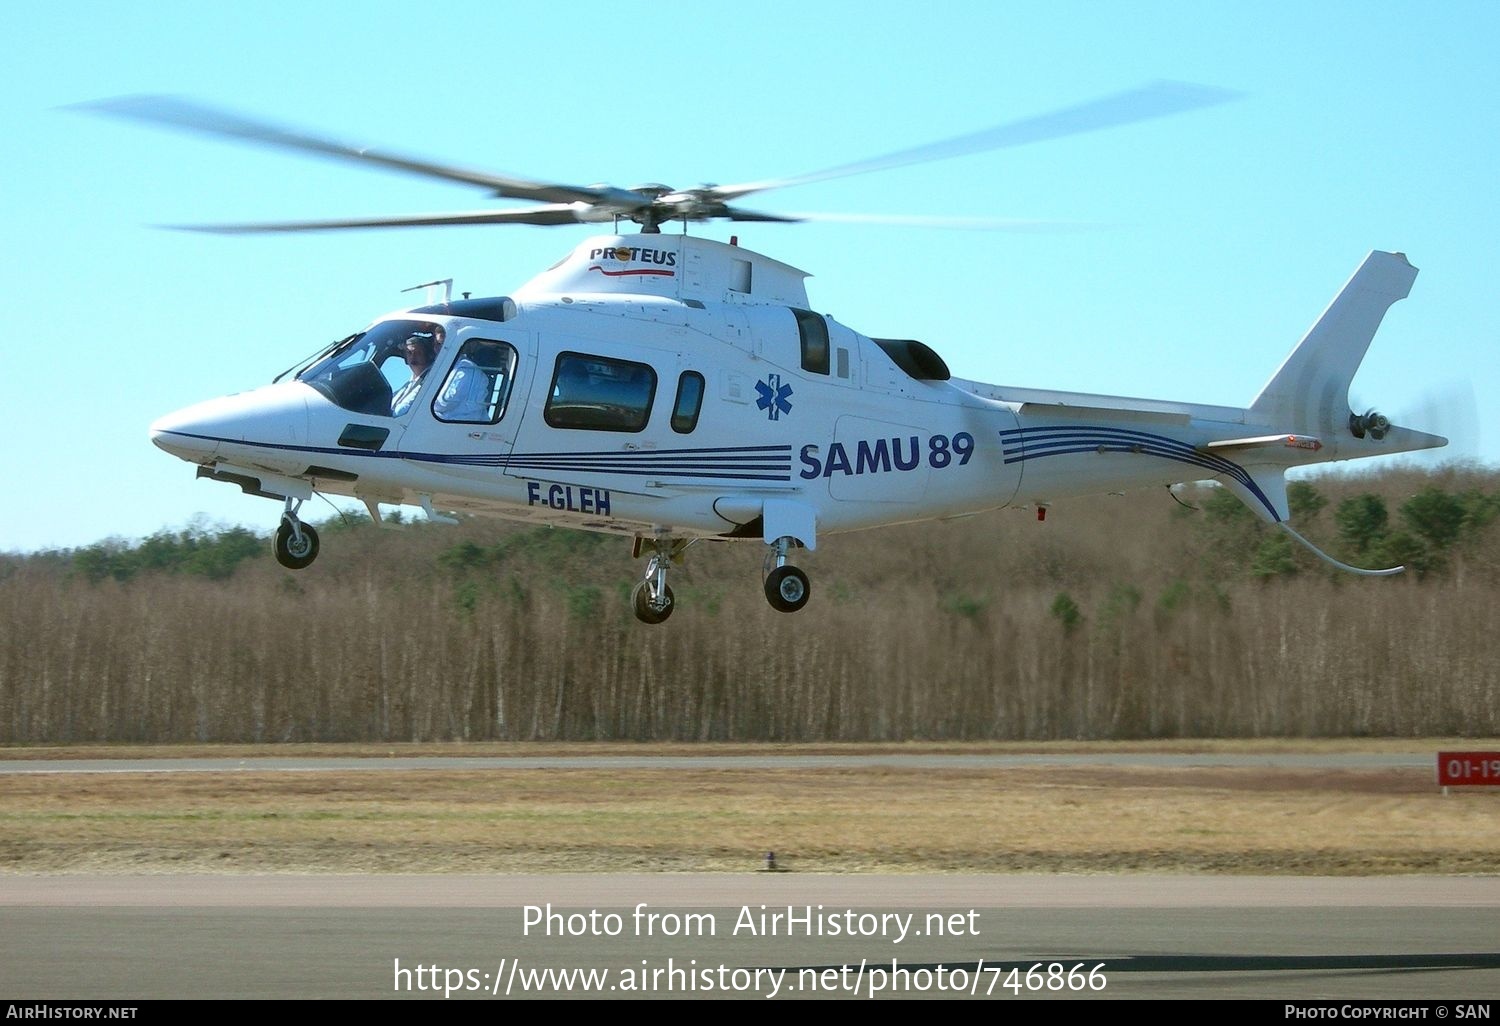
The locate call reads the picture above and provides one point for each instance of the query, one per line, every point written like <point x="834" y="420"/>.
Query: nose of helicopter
<point x="192" y="433"/>
<point x="275" y="416"/>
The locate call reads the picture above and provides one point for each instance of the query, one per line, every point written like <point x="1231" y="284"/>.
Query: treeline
<point x="1430" y="525"/>
<point x="1121" y="617"/>
<point x="198" y="550"/>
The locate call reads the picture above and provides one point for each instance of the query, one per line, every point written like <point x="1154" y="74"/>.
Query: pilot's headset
<point x="425" y="340"/>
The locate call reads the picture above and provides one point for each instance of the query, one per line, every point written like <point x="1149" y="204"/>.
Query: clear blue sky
<point x="1363" y="125"/>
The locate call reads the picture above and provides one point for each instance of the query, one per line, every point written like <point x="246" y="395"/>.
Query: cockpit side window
<point x="477" y="388"/>
<point x="597" y="393"/>
<point x="380" y="371"/>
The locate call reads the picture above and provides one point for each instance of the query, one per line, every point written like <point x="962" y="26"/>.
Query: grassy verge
<point x="1032" y="819"/>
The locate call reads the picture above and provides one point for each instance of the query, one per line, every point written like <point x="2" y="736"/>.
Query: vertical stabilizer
<point x="1310" y="391"/>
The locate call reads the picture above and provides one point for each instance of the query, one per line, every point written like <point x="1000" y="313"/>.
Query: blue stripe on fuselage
<point x="747" y="463"/>
<point x="1034" y="443"/>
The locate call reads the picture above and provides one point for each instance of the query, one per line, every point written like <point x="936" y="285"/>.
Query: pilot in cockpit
<point x="419" y="350"/>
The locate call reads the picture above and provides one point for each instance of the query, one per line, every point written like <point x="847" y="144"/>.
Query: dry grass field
<point x="1095" y="819"/>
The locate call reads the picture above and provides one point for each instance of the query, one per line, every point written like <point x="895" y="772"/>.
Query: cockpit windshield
<point x="379" y="371"/>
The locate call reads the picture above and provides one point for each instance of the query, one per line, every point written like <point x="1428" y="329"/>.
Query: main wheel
<point x="787" y="589"/>
<point x="640" y="599"/>
<point x="292" y="553"/>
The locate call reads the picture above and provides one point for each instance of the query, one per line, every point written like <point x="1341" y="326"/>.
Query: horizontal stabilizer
<point x="1304" y="443"/>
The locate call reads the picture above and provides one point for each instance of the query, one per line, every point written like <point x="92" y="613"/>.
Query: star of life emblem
<point x="773" y="396"/>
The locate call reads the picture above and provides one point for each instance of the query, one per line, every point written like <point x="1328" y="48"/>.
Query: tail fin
<point x="1310" y="391"/>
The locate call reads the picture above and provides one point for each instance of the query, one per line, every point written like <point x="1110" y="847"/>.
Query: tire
<point x="640" y="600"/>
<point x="289" y="553"/>
<point x="787" y="589"/>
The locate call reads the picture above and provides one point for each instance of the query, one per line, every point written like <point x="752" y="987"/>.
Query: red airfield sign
<point x="1468" y="769"/>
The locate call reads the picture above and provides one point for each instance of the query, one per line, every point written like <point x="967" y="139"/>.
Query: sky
<point x="1210" y="240"/>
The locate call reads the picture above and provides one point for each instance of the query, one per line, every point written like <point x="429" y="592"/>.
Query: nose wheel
<point x="787" y="587"/>
<point x="296" y="543"/>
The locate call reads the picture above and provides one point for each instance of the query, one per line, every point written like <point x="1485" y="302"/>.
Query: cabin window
<point x="596" y="393"/>
<point x="476" y="389"/>
<point x="689" y="402"/>
<point x="813" y="330"/>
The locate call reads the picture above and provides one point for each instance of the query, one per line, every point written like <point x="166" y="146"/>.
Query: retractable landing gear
<point x="296" y="543"/>
<point x="787" y="588"/>
<point x="652" y="599"/>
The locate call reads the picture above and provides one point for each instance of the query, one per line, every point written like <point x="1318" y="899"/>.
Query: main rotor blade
<point x="981" y="224"/>
<point x="559" y="213"/>
<point x="1154" y="100"/>
<point x="173" y="112"/>
<point x="740" y="214"/>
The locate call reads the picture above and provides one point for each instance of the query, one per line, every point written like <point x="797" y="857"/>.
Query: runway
<point x="757" y="935"/>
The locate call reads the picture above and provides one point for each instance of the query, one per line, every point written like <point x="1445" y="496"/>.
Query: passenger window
<point x="478" y="386"/>
<point x="689" y="402"/>
<point x="595" y="393"/>
<point x="813" y="330"/>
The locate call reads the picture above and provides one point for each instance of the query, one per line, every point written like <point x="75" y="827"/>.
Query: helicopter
<point x="672" y="389"/>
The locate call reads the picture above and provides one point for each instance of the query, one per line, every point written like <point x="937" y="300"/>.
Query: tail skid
<point x="1325" y="557"/>
<point x="1265" y="493"/>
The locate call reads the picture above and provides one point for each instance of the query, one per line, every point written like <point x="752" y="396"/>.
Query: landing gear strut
<point x="787" y="588"/>
<point x="296" y="543"/>
<point x="652" y="599"/>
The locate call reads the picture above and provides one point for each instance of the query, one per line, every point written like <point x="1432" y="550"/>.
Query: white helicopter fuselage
<point x="670" y="388"/>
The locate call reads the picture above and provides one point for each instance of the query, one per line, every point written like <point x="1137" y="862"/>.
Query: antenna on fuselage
<point x="446" y="283"/>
